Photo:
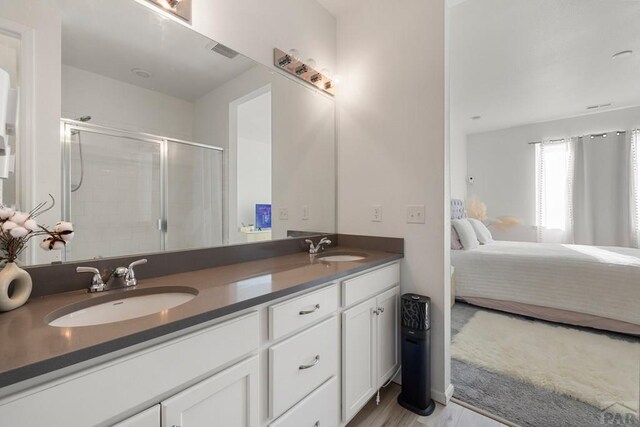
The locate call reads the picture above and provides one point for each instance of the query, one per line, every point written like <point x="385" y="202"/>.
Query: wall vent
<point x="223" y="50"/>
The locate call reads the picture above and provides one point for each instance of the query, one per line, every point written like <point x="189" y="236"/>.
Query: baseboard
<point x="441" y="397"/>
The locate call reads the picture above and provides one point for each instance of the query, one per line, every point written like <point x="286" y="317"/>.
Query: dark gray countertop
<point x="30" y="347"/>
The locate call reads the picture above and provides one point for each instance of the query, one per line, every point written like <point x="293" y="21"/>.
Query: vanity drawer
<point x="370" y="284"/>
<point x="296" y="313"/>
<point x="320" y="408"/>
<point x="301" y="363"/>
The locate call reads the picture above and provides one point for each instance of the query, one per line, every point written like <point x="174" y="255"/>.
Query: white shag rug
<point x="589" y="367"/>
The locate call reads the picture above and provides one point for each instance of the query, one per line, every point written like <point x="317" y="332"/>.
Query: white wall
<point x="391" y="144"/>
<point x="458" y="162"/>
<point x="254" y="156"/>
<point x="111" y="102"/>
<point x="503" y="164"/>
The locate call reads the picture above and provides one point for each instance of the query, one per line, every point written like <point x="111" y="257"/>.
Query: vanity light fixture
<point x="291" y="63"/>
<point x="284" y="61"/>
<point x="295" y="54"/>
<point x="301" y="69"/>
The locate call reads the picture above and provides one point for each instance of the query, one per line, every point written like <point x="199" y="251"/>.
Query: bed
<point x="597" y="287"/>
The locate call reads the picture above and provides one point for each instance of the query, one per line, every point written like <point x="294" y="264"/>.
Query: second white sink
<point x="128" y="307"/>
<point x="342" y="257"/>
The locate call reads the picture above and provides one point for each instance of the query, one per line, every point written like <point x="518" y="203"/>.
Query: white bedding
<point x="600" y="281"/>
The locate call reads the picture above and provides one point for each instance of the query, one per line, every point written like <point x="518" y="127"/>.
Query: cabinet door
<point x="387" y="334"/>
<point x="358" y="357"/>
<point x="227" y="399"/>
<point x="148" y="418"/>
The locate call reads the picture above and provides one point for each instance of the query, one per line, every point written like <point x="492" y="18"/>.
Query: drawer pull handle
<point x="314" y="363"/>
<point x="381" y="309"/>
<point x="317" y="424"/>
<point x="315" y="308"/>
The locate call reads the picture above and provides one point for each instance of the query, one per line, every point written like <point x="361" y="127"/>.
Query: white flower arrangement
<point x="17" y="228"/>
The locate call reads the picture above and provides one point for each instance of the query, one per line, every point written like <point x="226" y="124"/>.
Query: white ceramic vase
<point x="15" y="287"/>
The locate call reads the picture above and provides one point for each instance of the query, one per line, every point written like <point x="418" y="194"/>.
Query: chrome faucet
<point x="121" y="277"/>
<point x="97" y="284"/>
<point x="314" y="249"/>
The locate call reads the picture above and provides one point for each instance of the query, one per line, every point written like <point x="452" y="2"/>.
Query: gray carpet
<point x="521" y="403"/>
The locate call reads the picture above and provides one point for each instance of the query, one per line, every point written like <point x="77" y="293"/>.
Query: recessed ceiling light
<point x="141" y="73"/>
<point x="622" y="54"/>
<point x="476" y="117"/>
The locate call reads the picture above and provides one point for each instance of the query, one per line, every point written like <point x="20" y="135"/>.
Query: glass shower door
<point x="194" y="196"/>
<point x="113" y="188"/>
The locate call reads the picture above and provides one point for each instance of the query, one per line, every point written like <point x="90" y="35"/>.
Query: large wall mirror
<point x="165" y="139"/>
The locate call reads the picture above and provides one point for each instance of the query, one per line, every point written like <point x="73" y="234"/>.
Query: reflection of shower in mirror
<point x="8" y="113"/>
<point x="76" y="133"/>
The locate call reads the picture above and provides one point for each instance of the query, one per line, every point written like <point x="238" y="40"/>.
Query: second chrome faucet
<point x="121" y="277"/>
<point x="314" y="249"/>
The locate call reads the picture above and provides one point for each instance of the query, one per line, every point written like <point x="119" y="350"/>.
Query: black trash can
<point x="416" y="354"/>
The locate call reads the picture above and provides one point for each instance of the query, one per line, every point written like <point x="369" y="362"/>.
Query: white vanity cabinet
<point x="229" y="398"/>
<point x="101" y="394"/>
<point x="370" y="351"/>
<point x="148" y="418"/>
<point x="310" y="359"/>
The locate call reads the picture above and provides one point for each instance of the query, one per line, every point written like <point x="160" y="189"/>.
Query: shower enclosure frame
<point x="68" y="126"/>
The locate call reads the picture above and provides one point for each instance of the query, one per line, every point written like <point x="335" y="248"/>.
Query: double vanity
<point x="294" y="340"/>
<point x="159" y="142"/>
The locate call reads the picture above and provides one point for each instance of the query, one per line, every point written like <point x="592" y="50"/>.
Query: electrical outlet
<point x="415" y="214"/>
<point x="376" y="213"/>
<point x="305" y="212"/>
<point x="283" y="214"/>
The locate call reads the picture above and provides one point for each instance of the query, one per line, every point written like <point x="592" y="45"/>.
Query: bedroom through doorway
<point x="545" y="209"/>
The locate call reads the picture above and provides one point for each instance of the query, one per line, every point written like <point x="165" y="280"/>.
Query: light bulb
<point x="294" y="54"/>
<point x="311" y="63"/>
<point x="326" y="72"/>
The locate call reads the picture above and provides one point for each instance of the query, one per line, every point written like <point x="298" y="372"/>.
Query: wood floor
<point x="390" y="414"/>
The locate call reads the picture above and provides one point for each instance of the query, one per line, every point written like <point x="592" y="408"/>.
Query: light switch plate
<point x="415" y="214"/>
<point x="376" y="213"/>
<point x="283" y="214"/>
<point x="305" y="212"/>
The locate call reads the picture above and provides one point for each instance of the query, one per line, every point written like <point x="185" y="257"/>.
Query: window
<point x="553" y="191"/>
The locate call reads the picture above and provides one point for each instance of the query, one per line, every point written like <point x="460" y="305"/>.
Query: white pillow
<point x="482" y="232"/>
<point x="467" y="234"/>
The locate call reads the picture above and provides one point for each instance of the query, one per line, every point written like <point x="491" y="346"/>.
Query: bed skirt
<point x="555" y="315"/>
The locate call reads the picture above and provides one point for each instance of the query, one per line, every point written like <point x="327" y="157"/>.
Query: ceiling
<point x="514" y="62"/>
<point x="111" y="37"/>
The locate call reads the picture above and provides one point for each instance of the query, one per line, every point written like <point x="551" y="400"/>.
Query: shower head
<point x="84" y="119"/>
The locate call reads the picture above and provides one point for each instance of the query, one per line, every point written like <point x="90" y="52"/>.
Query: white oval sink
<point x="124" y="308"/>
<point x="342" y="257"/>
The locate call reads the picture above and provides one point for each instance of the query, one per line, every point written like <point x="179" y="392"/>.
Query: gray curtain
<point x="601" y="209"/>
